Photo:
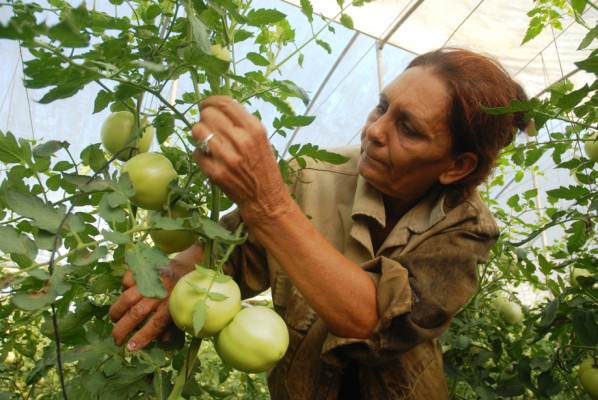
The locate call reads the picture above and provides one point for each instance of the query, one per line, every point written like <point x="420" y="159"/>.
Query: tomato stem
<point x="177" y="390"/>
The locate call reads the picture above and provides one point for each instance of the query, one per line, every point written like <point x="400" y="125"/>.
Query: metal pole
<point x="312" y="102"/>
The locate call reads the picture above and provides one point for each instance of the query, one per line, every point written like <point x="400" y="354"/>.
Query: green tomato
<point x="10" y="358"/>
<point x="510" y="312"/>
<point x="588" y="377"/>
<point x="173" y="241"/>
<point x="150" y="174"/>
<point x="254" y="341"/>
<point x="216" y="294"/>
<point x="575" y="273"/>
<point x="220" y="52"/>
<point x="591" y="148"/>
<point x="118" y="128"/>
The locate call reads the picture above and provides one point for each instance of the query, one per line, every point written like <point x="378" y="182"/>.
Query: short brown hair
<point x="473" y="80"/>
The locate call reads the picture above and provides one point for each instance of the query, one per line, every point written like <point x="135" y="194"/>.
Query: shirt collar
<point x="421" y="217"/>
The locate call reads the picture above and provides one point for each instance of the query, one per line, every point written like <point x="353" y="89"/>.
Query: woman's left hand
<point x="240" y="159"/>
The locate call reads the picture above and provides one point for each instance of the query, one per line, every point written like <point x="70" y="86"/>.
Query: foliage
<point x="69" y="231"/>
<point x="484" y="357"/>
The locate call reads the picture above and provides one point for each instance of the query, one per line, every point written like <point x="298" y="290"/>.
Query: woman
<point x="370" y="259"/>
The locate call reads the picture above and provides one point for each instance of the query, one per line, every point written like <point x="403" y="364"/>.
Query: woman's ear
<point x="462" y="165"/>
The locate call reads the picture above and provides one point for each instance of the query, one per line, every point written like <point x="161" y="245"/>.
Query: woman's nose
<point x="375" y="132"/>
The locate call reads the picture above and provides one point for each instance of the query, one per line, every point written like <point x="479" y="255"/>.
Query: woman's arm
<point x="241" y="162"/>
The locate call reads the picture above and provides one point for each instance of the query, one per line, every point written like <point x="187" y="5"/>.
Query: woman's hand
<point x="131" y="308"/>
<point x="240" y="159"/>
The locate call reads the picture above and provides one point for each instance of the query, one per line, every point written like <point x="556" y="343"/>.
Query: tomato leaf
<point x="144" y="261"/>
<point x="200" y="312"/>
<point x="12" y="242"/>
<point x="217" y="296"/>
<point x="31" y="301"/>
<point x="43" y="215"/>
<point x="584" y="323"/>
<point x="264" y="17"/>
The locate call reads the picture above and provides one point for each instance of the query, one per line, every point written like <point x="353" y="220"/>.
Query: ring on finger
<point x="203" y="145"/>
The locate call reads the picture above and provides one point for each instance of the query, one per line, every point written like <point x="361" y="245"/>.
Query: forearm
<point x="342" y="293"/>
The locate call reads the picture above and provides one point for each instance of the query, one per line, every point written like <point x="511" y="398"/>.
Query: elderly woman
<point x="368" y="261"/>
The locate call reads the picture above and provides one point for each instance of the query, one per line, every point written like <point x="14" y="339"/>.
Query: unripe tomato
<point x="588" y="377"/>
<point x="591" y="148"/>
<point x="575" y="273"/>
<point x="10" y="358"/>
<point x="220" y="52"/>
<point x="118" y="128"/>
<point x="254" y="341"/>
<point x="220" y="293"/>
<point x="150" y="175"/>
<point x="173" y="241"/>
<point x="510" y="312"/>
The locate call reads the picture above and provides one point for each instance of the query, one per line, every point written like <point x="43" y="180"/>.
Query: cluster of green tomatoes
<point x="204" y="303"/>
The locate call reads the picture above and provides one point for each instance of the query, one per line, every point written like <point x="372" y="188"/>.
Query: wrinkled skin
<point x="131" y="308"/>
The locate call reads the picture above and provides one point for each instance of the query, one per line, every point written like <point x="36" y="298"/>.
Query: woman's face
<point x="406" y="142"/>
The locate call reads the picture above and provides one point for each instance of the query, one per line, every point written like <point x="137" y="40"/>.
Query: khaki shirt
<point x="424" y="272"/>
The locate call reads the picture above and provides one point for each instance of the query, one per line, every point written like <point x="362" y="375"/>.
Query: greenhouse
<point x="110" y="179"/>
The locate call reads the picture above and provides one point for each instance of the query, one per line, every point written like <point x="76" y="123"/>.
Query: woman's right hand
<point x="132" y="308"/>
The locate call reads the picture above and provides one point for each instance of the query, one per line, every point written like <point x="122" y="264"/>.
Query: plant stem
<point x="186" y="370"/>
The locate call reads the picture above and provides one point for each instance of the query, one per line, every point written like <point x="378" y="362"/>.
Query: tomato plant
<point x="591" y="147"/>
<point x="588" y="377"/>
<point x="118" y="132"/>
<point x="254" y="341"/>
<point x="510" y="312"/>
<point x="174" y="240"/>
<point x="150" y="175"/>
<point x="203" y="302"/>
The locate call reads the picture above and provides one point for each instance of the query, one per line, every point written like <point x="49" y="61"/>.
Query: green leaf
<point x="116" y="237"/>
<point x="570" y="193"/>
<point x="10" y="151"/>
<point x="200" y="312"/>
<point x="13" y="242"/>
<point x="347" y="21"/>
<point x="578" y="236"/>
<point x="550" y="313"/>
<point x="258" y="59"/>
<point x="164" y="124"/>
<point x="217" y="296"/>
<point x="584" y="323"/>
<point x="324" y="45"/>
<point x="67" y="32"/>
<point x="201" y="34"/>
<point x="49" y="148"/>
<point x="103" y="98"/>
<point x="579" y="5"/>
<point x="144" y="261"/>
<point x="264" y="17"/>
<point x="570" y="100"/>
<point x="86" y="257"/>
<point x="44" y="216"/>
<point x="307" y="9"/>
<point x="33" y="301"/>
<point x="590" y="64"/>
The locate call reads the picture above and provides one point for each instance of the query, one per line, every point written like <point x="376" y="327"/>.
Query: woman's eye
<point x="381" y="108"/>
<point x="408" y="131"/>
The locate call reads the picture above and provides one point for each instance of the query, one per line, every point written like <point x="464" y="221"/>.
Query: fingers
<point x="234" y="112"/>
<point x="127" y="279"/>
<point x="154" y="327"/>
<point x="125" y="301"/>
<point x="134" y="317"/>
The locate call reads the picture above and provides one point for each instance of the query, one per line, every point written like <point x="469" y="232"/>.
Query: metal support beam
<point x="312" y="102"/>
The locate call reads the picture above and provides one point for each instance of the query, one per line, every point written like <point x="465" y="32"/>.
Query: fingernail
<point x="131" y="346"/>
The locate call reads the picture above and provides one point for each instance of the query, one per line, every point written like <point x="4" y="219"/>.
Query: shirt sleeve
<point x="418" y="294"/>
<point x="250" y="263"/>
